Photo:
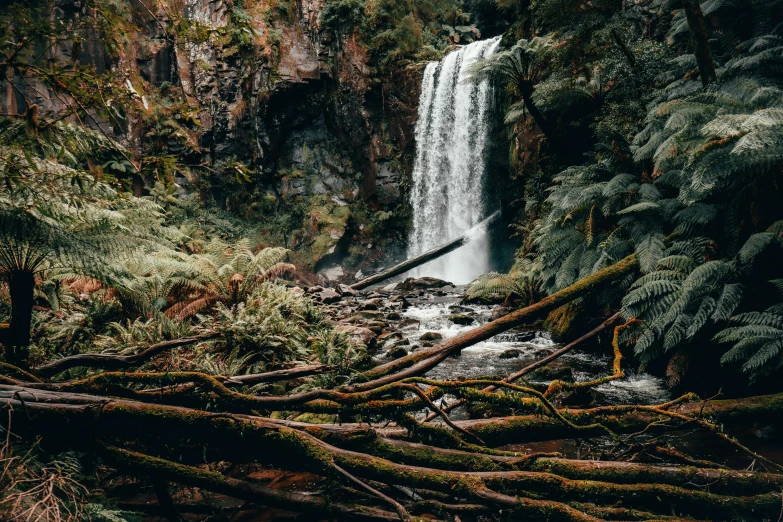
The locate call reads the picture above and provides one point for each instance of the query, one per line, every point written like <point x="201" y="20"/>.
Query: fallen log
<point x="721" y="481"/>
<point x="419" y="260"/>
<point x="498" y="431"/>
<point x="131" y="461"/>
<point x="239" y="438"/>
<point x="420" y="362"/>
<point x="117" y="362"/>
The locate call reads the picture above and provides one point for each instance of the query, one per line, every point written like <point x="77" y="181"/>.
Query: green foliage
<point x="691" y="190"/>
<point x="276" y="326"/>
<point x="54" y="215"/>
<point x="184" y="284"/>
<point x="757" y="339"/>
<point x="521" y="282"/>
<point x="341" y="16"/>
<point x="394" y="31"/>
<point x="518" y="68"/>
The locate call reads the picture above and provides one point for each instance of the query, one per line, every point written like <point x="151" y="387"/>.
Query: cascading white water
<point x="448" y="172"/>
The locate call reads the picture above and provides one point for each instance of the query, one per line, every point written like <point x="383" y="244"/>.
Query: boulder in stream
<point x="400" y="301"/>
<point x="359" y="334"/>
<point x="461" y="319"/>
<point x="511" y="353"/>
<point x="396" y="352"/>
<point x="329" y="296"/>
<point x="423" y="283"/>
<point x="347" y="291"/>
<point x="431" y="336"/>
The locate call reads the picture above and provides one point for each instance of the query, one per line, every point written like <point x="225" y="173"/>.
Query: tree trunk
<point x="701" y="41"/>
<point x="22" y="286"/>
<point x="549" y="130"/>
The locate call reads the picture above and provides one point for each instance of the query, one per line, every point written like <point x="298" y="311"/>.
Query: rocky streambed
<point x="416" y="314"/>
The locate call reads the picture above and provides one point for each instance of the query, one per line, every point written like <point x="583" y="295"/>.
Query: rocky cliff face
<point x="271" y="119"/>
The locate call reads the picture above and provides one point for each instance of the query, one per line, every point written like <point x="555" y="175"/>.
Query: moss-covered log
<point x="241" y="438"/>
<point x="722" y="481"/>
<point x="139" y="463"/>
<point x="498" y="431"/>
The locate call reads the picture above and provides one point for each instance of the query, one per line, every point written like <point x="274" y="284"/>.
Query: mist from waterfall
<point x="448" y="173"/>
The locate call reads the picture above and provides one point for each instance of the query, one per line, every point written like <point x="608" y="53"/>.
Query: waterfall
<point x="448" y="172"/>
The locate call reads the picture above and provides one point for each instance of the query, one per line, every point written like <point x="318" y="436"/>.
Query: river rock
<point x="554" y="373"/>
<point x="396" y="352"/>
<point x="500" y="311"/>
<point x="390" y="288"/>
<point x="523" y="337"/>
<point x="359" y="334"/>
<point x="431" y="336"/>
<point x="372" y="304"/>
<point x="512" y="353"/>
<point x="332" y="274"/>
<point x="422" y="283"/>
<point x="390" y="334"/>
<point x="461" y="319"/>
<point x="370" y="314"/>
<point x="393" y="316"/>
<point x="347" y="291"/>
<point x="329" y="296"/>
<point x="400" y="301"/>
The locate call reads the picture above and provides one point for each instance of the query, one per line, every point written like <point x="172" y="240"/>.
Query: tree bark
<point x="701" y="41"/>
<point x="549" y="130"/>
<point x="22" y="287"/>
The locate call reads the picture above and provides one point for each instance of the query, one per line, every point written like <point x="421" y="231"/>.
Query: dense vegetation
<point x="161" y="334"/>
<point x="682" y="170"/>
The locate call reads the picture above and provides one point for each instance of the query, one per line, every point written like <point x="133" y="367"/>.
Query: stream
<point x="430" y="312"/>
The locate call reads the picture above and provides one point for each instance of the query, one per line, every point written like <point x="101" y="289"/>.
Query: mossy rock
<point x="431" y="336"/>
<point x="547" y="373"/>
<point x="325" y="222"/>
<point x="396" y="352"/>
<point x="461" y="319"/>
<point x="562" y="322"/>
